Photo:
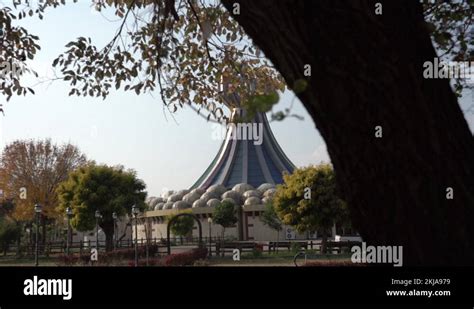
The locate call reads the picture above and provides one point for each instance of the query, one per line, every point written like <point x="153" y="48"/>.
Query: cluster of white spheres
<point x="240" y="194"/>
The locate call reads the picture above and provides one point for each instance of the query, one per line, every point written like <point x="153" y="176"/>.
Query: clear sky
<point x="128" y="129"/>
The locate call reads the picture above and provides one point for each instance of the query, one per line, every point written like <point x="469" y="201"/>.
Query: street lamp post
<point x="115" y="217"/>
<point x="209" y="220"/>
<point x="97" y="218"/>
<point x="135" y="212"/>
<point x="38" y="213"/>
<point x="68" y="240"/>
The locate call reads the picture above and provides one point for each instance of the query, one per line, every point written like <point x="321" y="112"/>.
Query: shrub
<point x="151" y="262"/>
<point x="257" y="250"/>
<point x="73" y="259"/>
<point x="129" y="253"/>
<point x="106" y="258"/>
<point x="185" y="258"/>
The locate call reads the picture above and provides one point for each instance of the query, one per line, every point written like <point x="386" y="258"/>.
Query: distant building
<point x="244" y="172"/>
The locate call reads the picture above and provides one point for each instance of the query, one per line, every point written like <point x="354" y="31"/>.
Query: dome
<point x="175" y="197"/>
<point x="230" y="200"/>
<point x="266" y="200"/>
<point x="168" y="205"/>
<point x="252" y="201"/>
<point x="250" y="193"/>
<point x="208" y="195"/>
<point x="198" y="191"/>
<point x="269" y="193"/>
<point x="213" y="202"/>
<point x="159" y="206"/>
<point x="242" y="187"/>
<point x="199" y="203"/>
<point x="181" y="205"/>
<point x="183" y="192"/>
<point x="191" y="197"/>
<point x="236" y="196"/>
<point x="265" y="186"/>
<point x="167" y="194"/>
<point x="217" y="189"/>
<point x="155" y="202"/>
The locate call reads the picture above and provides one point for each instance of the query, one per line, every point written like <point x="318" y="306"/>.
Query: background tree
<point x="30" y="171"/>
<point x="182" y="226"/>
<point x="103" y="188"/>
<point x="224" y="214"/>
<point x="308" y="200"/>
<point x="10" y="231"/>
<point x="270" y="218"/>
<point x="346" y="98"/>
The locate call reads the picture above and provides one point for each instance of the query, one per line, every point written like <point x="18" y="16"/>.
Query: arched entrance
<point x="170" y="223"/>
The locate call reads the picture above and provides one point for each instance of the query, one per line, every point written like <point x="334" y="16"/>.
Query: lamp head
<point x="69" y="212"/>
<point x="38" y="208"/>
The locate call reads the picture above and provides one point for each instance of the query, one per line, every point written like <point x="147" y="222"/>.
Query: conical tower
<point x="241" y="159"/>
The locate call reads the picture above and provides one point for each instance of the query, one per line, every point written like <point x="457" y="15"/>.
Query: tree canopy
<point x="224" y="214"/>
<point x="182" y="226"/>
<point x="103" y="188"/>
<point x="308" y="199"/>
<point x="194" y="51"/>
<point x="30" y="172"/>
<point x="270" y="217"/>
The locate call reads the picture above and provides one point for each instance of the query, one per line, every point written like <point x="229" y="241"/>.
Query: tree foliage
<point x="103" y="188"/>
<point x="194" y="51"/>
<point x="30" y="172"/>
<point x="9" y="232"/>
<point x="308" y="199"/>
<point x="182" y="226"/>
<point x="224" y="214"/>
<point x="270" y="217"/>
<point x="451" y="26"/>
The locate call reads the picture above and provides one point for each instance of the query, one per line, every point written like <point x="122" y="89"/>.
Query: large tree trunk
<point x="108" y="228"/>
<point x="367" y="71"/>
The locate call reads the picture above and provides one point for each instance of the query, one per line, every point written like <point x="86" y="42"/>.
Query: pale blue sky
<point x="128" y="129"/>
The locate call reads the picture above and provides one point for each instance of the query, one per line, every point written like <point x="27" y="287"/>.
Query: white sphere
<point x="175" y="197"/>
<point x="242" y="187"/>
<point x="230" y="200"/>
<point x="191" y="197"/>
<point x="168" y="205"/>
<point x="269" y="193"/>
<point x="159" y="206"/>
<point x="213" y="202"/>
<point x="183" y="192"/>
<point x="199" y="203"/>
<point x="181" y="205"/>
<point x="265" y="186"/>
<point x="217" y="189"/>
<point x="252" y="201"/>
<point x="167" y="194"/>
<point x="208" y="195"/>
<point x="251" y="193"/>
<point x="236" y="196"/>
<point x="198" y="191"/>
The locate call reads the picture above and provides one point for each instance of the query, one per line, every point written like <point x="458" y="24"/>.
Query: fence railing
<point x="215" y="245"/>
